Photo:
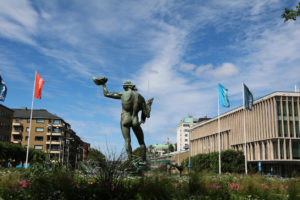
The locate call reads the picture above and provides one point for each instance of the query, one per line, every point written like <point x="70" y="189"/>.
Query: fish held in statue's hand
<point x="100" y="81"/>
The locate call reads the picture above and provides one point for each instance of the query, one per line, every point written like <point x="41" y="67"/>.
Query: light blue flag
<point x="223" y="96"/>
<point x="3" y="89"/>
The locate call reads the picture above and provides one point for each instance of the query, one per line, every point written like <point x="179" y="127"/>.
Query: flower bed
<point x="61" y="183"/>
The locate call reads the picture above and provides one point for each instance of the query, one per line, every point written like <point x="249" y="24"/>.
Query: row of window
<point x="285" y="127"/>
<point x="37" y="129"/>
<point x="295" y="149"/>
<point x="37" y="138"/>
<point x="287" y="106"/>
<point x="4" y="113"/>
<point x="55" y="121"/>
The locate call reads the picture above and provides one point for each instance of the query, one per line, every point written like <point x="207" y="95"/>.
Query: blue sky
<point x="174" y="51"/>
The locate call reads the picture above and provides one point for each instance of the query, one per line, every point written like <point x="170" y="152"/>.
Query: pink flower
<point x="265" y="186"/>
<point x="234" y="186"/>
<point x="215" y="186"/>
<point x="176" y="185"/>
<point x="77" y="186"/>
<point x="160" y="177"/>
<point x="24" y="183"/>
<point x="286" y="187"/>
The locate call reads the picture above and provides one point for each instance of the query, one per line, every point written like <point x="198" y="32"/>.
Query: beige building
<point x="6" y="116"/>
<point x="272" y="132"/>
<point x="49" y="133"/>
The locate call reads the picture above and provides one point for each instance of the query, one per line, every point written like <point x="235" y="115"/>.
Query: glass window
<point x="56" y="130"/>
<point x="296" y="149"/>
<point x="26" y="138"/>
<point x="297" y="128"/>
<point x="186" y="130"/>
<point x="287" y="148"/>
<point x="290" y="108"/>
<point x="18" y="120"/>
<point x="185" y="125"/>
<point x="281" y="150"/>
<point x="186" y="135"/>
<point x="39" y="138"/>
<point x="275" y="150"/>
<point x="266" y="150"/>
<point x="279" y="128"/>
<point x="291" y="129"/>
<point x="28" y="120"/>
<point x="278" y="108"/>
<point x="253" y="151"/>
<point x="284" y="108"/>
<point x="285" y="126"/>
<point x="56" y="121"/>
<point x="296" y="109"/>
<point x="38" y="147"/>
<point x="39" y="129"/>
<point x="260" y="151"/>
<point x="40" y="120"/>
<point x="186" y="140"/>
<point x="27" y="129"/>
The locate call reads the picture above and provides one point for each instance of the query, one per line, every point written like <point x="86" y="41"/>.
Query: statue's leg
<point x="126" y="136"/>
<point x="140" y="137"/>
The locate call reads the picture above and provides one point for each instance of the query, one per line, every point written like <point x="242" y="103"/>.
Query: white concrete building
<point x="183" y="131"/>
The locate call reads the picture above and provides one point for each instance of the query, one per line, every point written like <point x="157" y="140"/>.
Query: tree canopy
<point x="291" y="14"/>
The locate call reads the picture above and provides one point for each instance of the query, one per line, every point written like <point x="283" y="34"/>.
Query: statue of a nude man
<point x="132" y="103"/>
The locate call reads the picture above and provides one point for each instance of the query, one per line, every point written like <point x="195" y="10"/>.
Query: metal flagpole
<point x="245" y="139"/>
<point x="28" y="142"/>
<point x="219" y="134"/>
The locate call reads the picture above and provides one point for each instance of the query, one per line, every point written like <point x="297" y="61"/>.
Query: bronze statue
<point x="132" y="103"/>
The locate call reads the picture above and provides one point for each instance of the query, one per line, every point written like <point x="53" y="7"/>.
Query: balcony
<point x="16" y="141"/>
<point x="17" y="123"/>
<point x="56" y="125"/>
<point x="56" y="151"/>
<point x="54" y="134"/>
<point x="16" y="132"/>
<point x="53" y="142"/>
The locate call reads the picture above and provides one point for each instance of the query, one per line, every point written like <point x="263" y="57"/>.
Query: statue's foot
<point x="100" y="81"/>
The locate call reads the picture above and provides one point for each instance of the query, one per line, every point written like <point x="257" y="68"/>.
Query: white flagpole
<point x="245" y="139"/>
<point x="219" y="134"/>
<point x="28" y="142"/>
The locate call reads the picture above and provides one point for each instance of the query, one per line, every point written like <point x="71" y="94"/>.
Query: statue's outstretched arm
<point x="114" y="95"/>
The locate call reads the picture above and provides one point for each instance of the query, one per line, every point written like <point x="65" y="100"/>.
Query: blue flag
<point x="3" y="89"/>
<point x="248" y="98"/>
<point x="223" y="96"/>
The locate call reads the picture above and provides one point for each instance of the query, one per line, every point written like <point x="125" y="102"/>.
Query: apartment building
<point x="6" y="116"/>
<point x="272" y="133"/>
<point x="183" y="132"/>
<point x="49" y="133"/>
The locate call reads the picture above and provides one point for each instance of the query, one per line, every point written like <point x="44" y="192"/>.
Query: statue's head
<point x="128" y="84"/>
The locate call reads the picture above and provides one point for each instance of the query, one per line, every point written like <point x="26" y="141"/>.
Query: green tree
<point x="291" y="14"/>
<point x="96" y="155"/>
<point x="171" y="148"/>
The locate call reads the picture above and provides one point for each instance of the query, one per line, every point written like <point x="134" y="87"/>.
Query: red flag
<point x="39" y="82"/>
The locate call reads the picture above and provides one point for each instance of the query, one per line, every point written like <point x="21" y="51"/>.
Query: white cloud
<point x="187" y="67"/>
<point x="18" y="21"/>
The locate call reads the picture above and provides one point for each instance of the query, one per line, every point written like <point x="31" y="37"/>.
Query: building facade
<point x="49" y="133"/>
<point x="272" y="133"/>
<point x="183" y="132"/>
<point x="6" y="116"/>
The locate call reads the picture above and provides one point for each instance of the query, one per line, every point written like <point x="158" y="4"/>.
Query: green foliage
<point x="97" y="156"/>
<point x="17" y="153"/>
<point x="291" y="14"/>
<point x="171" y="148"/>
<point x="231" y="161"/>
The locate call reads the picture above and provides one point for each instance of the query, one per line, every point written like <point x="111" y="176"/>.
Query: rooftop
<point x="37" y="113"/>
